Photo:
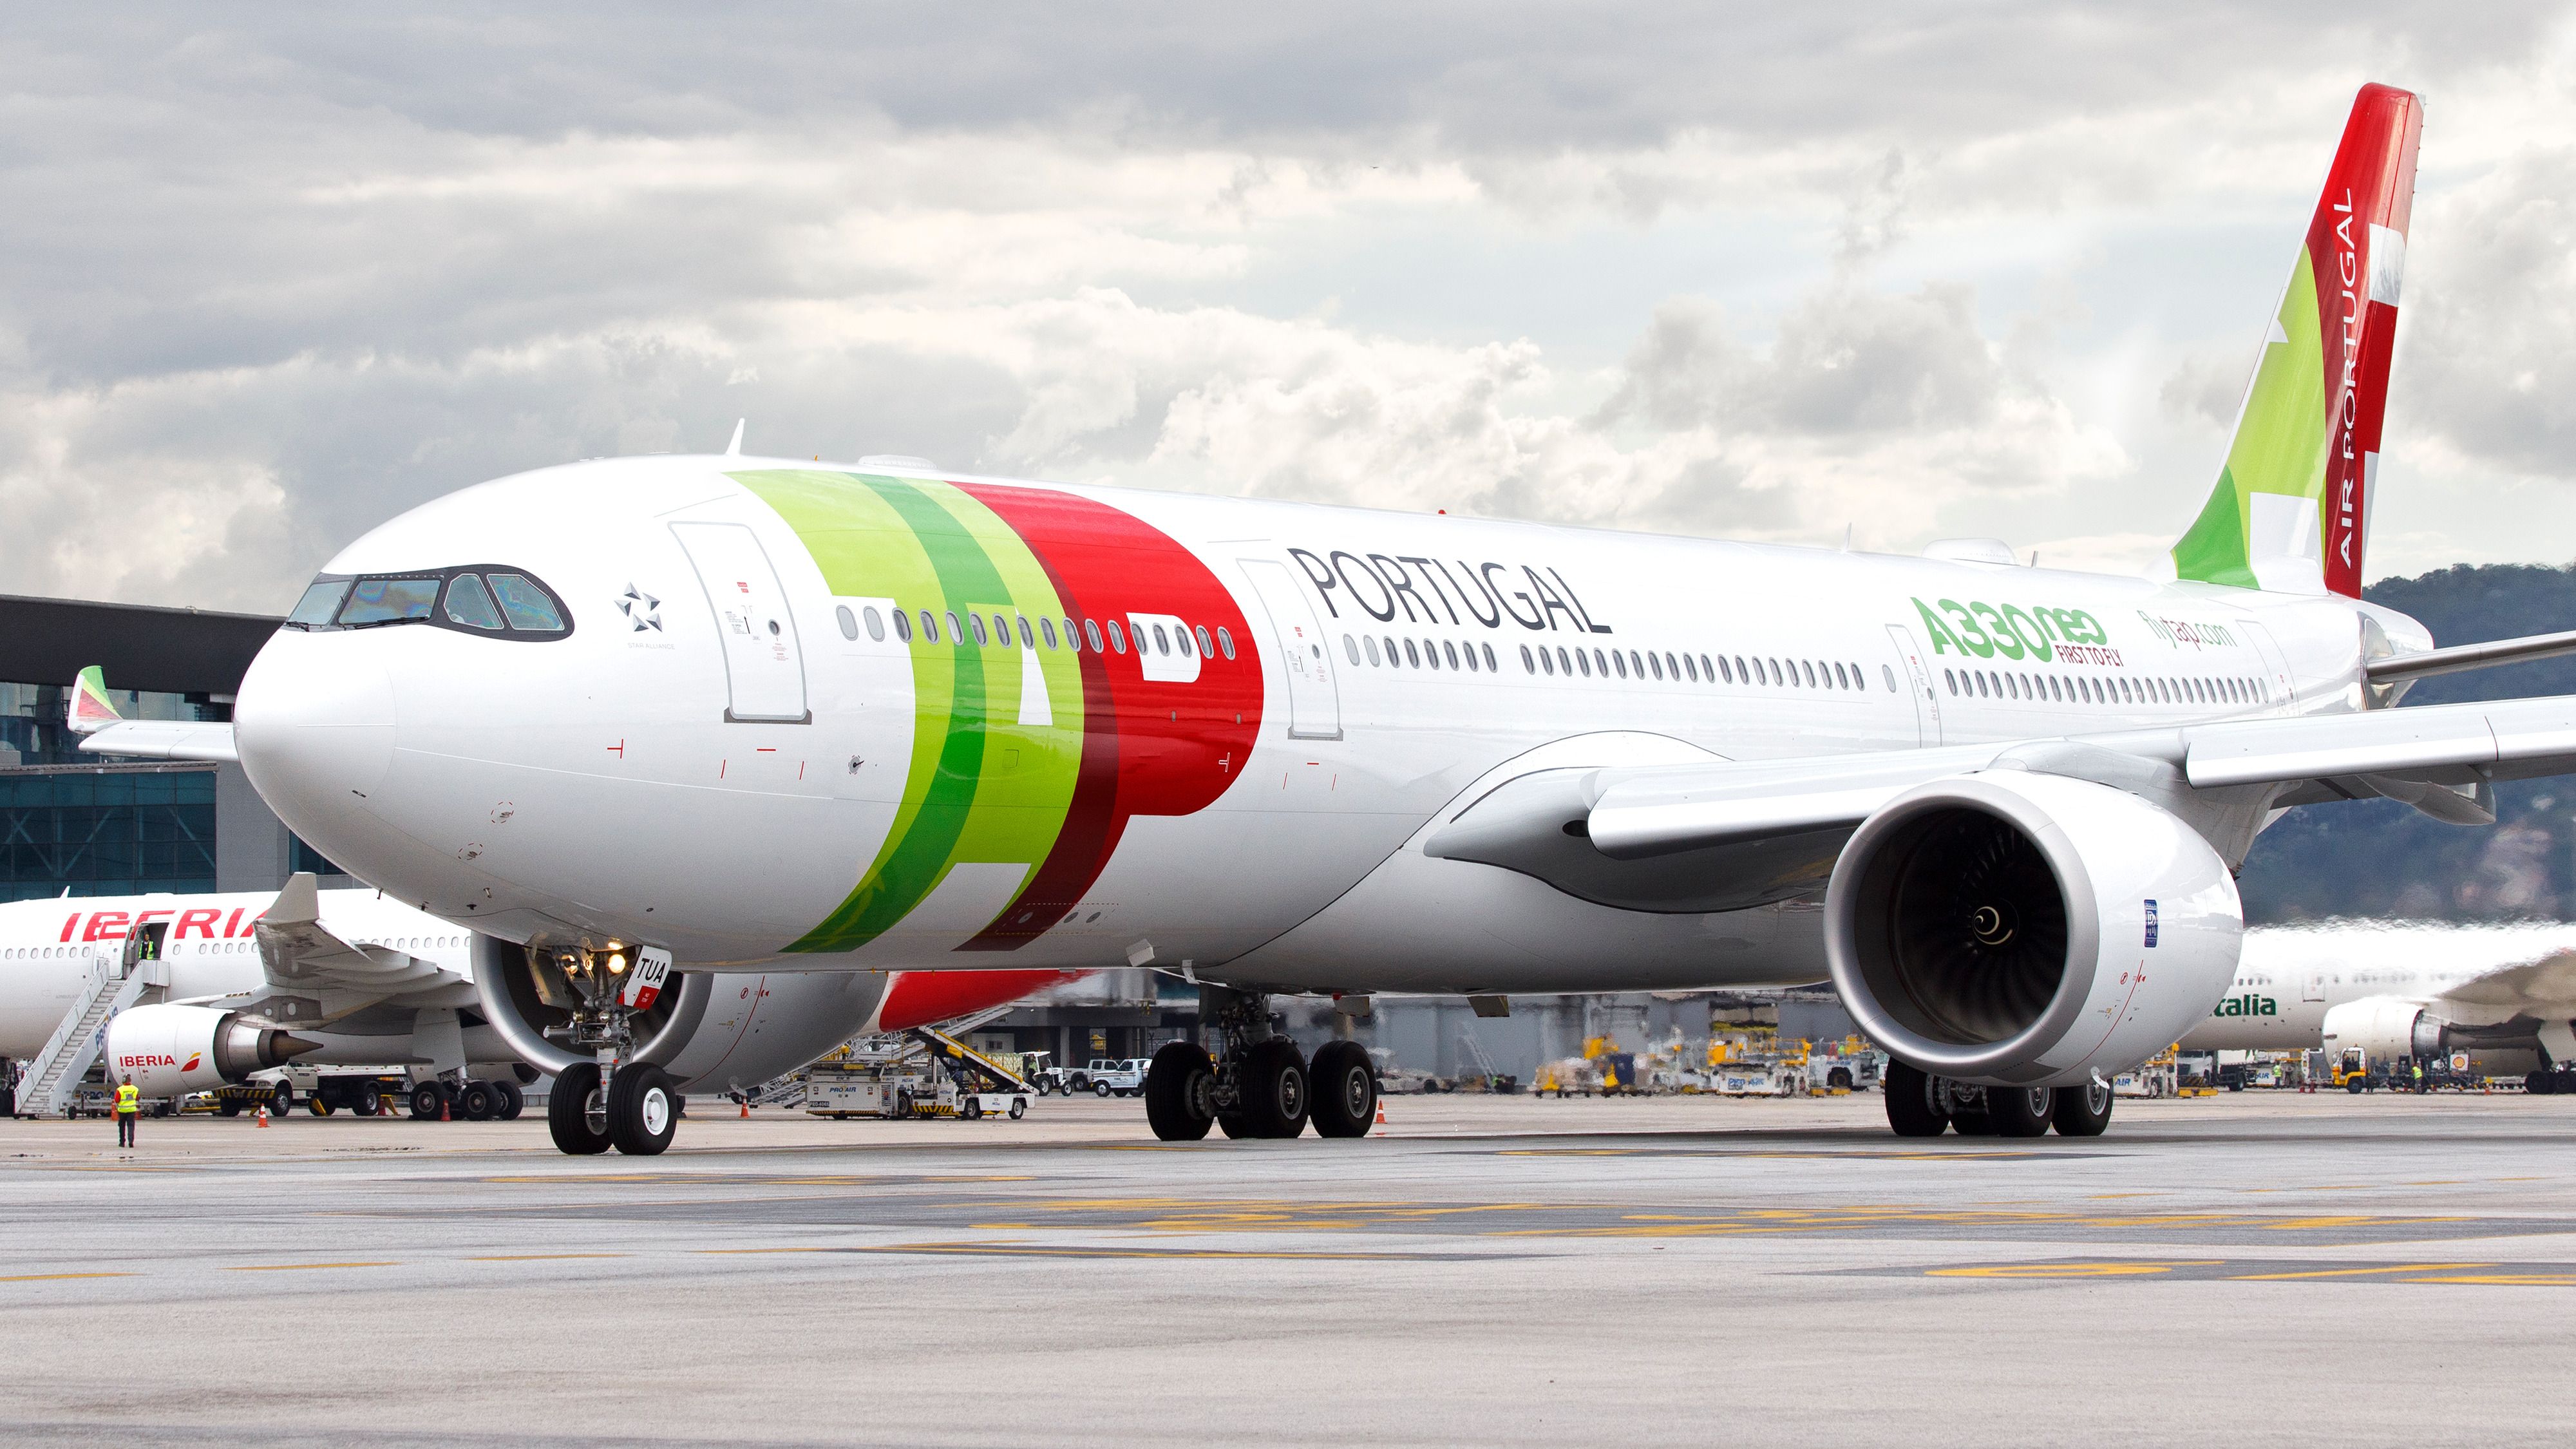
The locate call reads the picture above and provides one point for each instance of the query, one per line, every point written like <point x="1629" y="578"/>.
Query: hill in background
<point x="2383" y="859"/>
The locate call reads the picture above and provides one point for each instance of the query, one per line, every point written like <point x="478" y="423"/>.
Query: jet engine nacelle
<point x="2385" y="1028"/>
<point x="170" y="1050"/>
<point x="2009" y="928"/>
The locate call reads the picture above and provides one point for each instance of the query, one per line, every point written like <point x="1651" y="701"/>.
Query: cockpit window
<point x="526" y="604"/>
<point x="470" y="604"/>
<point x="388" y="601"/>
<point x="489" y="602"/>
<point x="319" y="603"/>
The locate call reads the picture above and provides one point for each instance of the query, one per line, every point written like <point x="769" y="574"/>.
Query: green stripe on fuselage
<point x="979" y="786"/>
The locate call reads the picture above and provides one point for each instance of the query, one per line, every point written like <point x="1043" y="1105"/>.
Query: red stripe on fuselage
<point x="1149" y="747"/>
<point x="918" y="998"/>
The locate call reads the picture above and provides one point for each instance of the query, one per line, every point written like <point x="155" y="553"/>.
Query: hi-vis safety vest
<point x="128" y="1099"/>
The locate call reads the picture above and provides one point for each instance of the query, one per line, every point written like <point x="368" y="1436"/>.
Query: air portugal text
<point x="2041" y="635"/>
<point x="1431" y="591"/>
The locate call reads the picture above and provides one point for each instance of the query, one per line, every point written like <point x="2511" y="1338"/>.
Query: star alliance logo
<point x="641" y="609"/>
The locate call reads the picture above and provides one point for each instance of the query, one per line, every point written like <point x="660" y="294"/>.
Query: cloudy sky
<point x="1768" y="271"/>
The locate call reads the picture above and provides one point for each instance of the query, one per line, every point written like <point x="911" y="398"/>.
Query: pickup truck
<point x="1113" y="1078"/>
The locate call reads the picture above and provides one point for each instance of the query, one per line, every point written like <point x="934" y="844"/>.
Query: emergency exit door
<point x="1917" y="681"/>
<point x="764" y="668"/>
<point x="1314" y="698"/>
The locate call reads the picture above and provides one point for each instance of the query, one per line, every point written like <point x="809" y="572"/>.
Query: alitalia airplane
<point x="2506" y="994"/>
<point x="234" y="985"/>
<point x="762" y="711"/>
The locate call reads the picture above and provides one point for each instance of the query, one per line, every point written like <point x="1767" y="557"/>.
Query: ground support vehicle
<point x="923" y="1072"/>
<point x="1759" y="1079"/>
<point x="1107" y="1077"/>
<point x="2158" y="1076"/>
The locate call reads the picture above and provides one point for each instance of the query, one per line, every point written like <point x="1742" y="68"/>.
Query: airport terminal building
<point x="88" y="825"/>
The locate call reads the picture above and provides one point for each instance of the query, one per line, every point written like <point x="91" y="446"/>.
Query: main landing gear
<point x="614" y="1100"/>
<point x="1263" y="1086"/>
<point x="1922" y="1105"/>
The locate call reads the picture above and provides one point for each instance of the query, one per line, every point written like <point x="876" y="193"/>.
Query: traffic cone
<point x="1380" y="1129"/>
<point x="263" y="1114"/>
<point x="746" y="1106"/>
<point x="442" y="1108"/>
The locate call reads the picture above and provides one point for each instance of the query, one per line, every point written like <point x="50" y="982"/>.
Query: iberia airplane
<point x="881" y="715"/>
<point x="222" y="989"/>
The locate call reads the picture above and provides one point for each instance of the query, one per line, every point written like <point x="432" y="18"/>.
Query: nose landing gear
<point x="613" y="1101"/>
<point x="1262" y="1086"/>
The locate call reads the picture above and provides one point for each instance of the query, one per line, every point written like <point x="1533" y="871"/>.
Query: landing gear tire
<point x="1345" y="1089"/>
<point x="576" y="1117"/>
<point x="427" y="1100"/>
<point x="643" y="1112"/>
<point x="1178" y="1087"/>
<point x="1972" y="1124"/>
<point x="514" y="1100"/>
<point x="2084" y="1110"/>
<point x="1275" y="1089"/>
<point x="2021" y="1111"/>
<point x="475" y="1102"/>
<point x="1914" y="1107"/>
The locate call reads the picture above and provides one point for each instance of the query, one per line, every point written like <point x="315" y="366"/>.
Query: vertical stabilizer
<point x="2291" y="511"/>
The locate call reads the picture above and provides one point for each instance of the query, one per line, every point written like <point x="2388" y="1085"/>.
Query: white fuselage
<point x="746" y="779"/>
<point x="2291" y="976"/>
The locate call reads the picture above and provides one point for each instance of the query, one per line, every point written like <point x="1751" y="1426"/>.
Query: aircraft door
<point x="1917" y="676"/>
<point x="2276" y="669"/>
<point x="764" y="667"/>
<point x="1314" y="698"/>
<point x="2312" y="986"/>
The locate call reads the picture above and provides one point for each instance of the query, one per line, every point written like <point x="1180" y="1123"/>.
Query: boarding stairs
<point x="54" y="1077"/>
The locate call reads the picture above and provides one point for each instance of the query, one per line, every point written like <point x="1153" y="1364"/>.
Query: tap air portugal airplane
<point x="240" y="983"/>
<point x="881" y="715"/>
<point x="2504" y="994"/>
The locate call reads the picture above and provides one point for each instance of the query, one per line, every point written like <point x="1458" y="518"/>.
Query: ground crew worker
<point x="129" y="1105"/>
<point x="2419" y="1076"/>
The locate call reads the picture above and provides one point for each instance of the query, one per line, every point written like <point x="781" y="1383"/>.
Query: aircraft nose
<point x="314" y="726"/>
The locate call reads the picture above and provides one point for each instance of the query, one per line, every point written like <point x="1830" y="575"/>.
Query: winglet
<point x="88" y="711"/>
<point x="734" y="448"/>
<point x="298" y="903"/>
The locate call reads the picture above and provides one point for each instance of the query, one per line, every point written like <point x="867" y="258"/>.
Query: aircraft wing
<point x="2544" y="988"/>
<point x="88" y="712"/>
<point x="1730" y="834"/>
<point x="162" y="739"/>
<point x="315" y="977"/>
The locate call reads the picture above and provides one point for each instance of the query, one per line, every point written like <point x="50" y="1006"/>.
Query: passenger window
<point x="1206" y="650"/>
<point x="1694" y="669"/>
<point x="388" y="601"/>
<point x="1657" y="664"/>
<point x="527" y="605"/>
<point x="841" y="615"/>
<point x="1046" y="630"/>
<point x="1225" y="642"/>
<point x="876" y="623"/>
<point x="1412" y="656"/>
<point x="1491" y="667"/>
<point x="1001" y="631"/>
<point x="1564" y="664"/>
<point x="1091" y="635"/>
<point x="1371" y="641"/>
<point x="902" y="627"/>
<point x="1470" y="652"/>
<point x="929" y="628"/>
<point x="1950" y="679"/>
<point x="957" y="631"/>
<point x="1117" y="637"/>
<point x="1811" y="676"/>
<point x="1528" y="665"/>
<point x="1390" y="651"/>
<point x="320" y="601"/>
<point x="470" y="604"/>
<point x="1072" y="636"/>
<point x="1841" y="680"/>
<point x="1351" y="647"/>
<point x="1890" y="676"/>
<point x="1450" y="651"/>
<point x="1181" y="636"/>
